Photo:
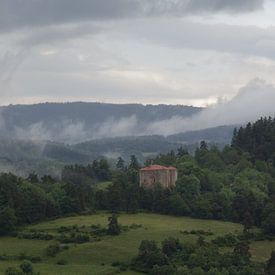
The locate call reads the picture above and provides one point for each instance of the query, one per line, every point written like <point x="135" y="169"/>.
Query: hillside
<point x="44" y="157"/>
<point x="98" y="256"/>
<point x="220" y="134"/>
<point x="79" y="121"/>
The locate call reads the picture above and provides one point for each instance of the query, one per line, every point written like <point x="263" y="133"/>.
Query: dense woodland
<point x="236" y="184"/>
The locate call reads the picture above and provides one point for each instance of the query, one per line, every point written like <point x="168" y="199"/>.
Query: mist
<point x="253" y="101"/>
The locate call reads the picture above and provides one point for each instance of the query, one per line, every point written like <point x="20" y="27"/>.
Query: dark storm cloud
<point x="29" y="13"/>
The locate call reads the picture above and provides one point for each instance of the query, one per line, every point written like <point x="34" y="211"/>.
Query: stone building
<point x="156" y="174"/>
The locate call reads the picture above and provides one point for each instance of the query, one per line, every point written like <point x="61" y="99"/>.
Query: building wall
<point x="150" y="178"/>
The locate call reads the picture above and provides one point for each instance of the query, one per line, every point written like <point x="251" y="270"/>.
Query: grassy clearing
<point x="97" y="257"/>
<point x="103" y="185"/>
<point x="261" y="250"/>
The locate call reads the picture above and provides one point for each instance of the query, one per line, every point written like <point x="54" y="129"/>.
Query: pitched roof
<point x="157" y="167"/>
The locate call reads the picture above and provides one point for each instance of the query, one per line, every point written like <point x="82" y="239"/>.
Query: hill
<point x="97" y="257"/>
<point x="220" y="134"/>
<point x="79" y="121"/>
<point x="44" y="157"/>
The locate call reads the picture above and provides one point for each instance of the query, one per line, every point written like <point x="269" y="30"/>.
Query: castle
<point x="156" y="174"/>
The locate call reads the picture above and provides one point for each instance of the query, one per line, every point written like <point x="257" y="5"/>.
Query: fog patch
<point x="252" y="102"/>
<point x="126" y="126"/>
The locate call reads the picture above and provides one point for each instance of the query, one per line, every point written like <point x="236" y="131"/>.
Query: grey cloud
<point x="53" y="34"/>
<point x="248" y="40"/>
<point x="28" y="13"/>
<point x="225" y="5"/>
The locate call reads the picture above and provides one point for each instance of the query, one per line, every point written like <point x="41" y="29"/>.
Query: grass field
<point x="97" y="257"/>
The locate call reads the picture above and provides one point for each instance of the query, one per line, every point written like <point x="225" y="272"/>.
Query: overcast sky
<point x="193" y="52"/>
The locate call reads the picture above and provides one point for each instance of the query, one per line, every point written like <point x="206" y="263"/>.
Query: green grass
<point x="96" y="258"/>
<point x="103" y="185"/>
<point x="261" y="250"/>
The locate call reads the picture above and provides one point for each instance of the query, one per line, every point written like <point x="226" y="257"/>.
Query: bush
<point x="26" y="267"/>
<point x="61" y="262"/>
<point x="35" y="235"/>
<point x="162" y="270"/>
<point x="12" y="271"/>
<point x="113" y="226"/>
<point x="53" y="249"/>
<point x="226" y="240"/>
<point x="171" y="246"/>
<point x="74" y="238"/>
<point x="81" y="238"/>
<point x="197" y="232"/>
<point x="7" y="221"/>
<point x="149" y="256"/>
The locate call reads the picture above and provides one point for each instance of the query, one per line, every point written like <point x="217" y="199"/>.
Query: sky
<point x="190" y="52"/>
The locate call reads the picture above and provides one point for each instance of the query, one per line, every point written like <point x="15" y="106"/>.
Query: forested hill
<point x="44" y="157"/>
<point x="258" y="139"/>
<point x="79" y="121"/>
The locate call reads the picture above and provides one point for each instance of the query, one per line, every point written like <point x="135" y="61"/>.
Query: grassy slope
<point x="96" y="258"/>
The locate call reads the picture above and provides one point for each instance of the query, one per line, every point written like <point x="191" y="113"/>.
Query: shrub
<point x="171" y="246"/>
<point x="149" y="256"/>
<point x="162" y="270"/>
<point x="81" y="238"/>
<point x="53" y="249"/>
<point x="35" y="235"/>
<point x="226" y="240"/>
<point x="7" y="220"/>
<point x="61" y="262"/>
<point x="26" y="267"/>
<point x="12" y="271"/>
<point x="113" y="226"/>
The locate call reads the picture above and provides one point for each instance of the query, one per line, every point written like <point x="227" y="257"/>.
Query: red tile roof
<point x="157" y="167"/>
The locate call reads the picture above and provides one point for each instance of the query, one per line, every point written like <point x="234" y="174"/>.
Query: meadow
<point x="97" y="257"/>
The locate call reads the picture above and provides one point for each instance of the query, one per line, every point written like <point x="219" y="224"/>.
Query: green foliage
<point x="258" y="139"/>
<point x="26" y="267"/>
<point x="171" y="246"/>
<point x="149" y="256"/>
<point x="201" y="258"/>
<point x="13" y="271"/>
<point x="7" y="220"/>
<point x="53" y="249"/>
<point x="270" y="266"/>
<point x="113" y="226"/>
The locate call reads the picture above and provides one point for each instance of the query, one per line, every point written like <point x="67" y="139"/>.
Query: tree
<point x="241" y="253"/>
<point x="247" y="222"/>
<point x="113" y="226"/>
<point x="120" y="165"/>
<point x="149" y="255"/>
<point x="270" y="265"/>
<point x="171" y="246"/>
<point x="182" y="152"/>
<point x="26" y="267"/>
<point x="7" y="220"/>
<point x="188" y="186"/>
<point x="268" y="223"/>
<point x="134" y="163"/>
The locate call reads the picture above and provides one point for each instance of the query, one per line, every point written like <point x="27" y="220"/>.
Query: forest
<point x="236" y="183"/>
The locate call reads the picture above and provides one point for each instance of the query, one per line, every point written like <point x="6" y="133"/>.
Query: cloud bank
<point x="28" y="13"/>
<point x="252" y="102"/>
